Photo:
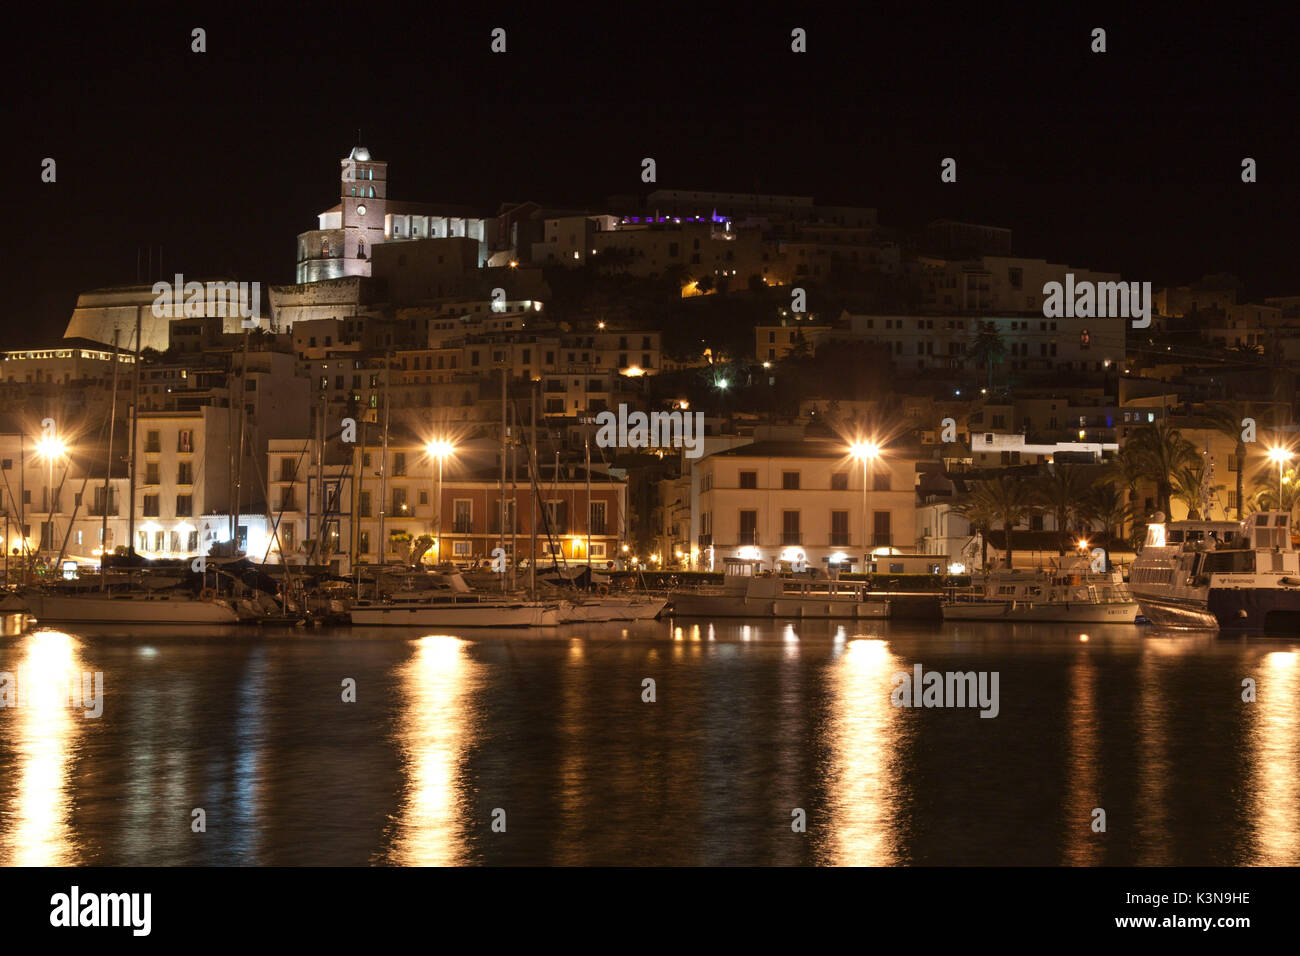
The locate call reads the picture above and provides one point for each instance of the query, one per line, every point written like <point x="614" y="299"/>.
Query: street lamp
<point x="866" y="452"/>
<point x="50" y="447"/>
<point x="1281" y="456"/>
<point x="438" y="449"/>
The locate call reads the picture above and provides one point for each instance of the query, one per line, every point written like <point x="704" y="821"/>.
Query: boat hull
<point x="688" y="604"/>
<point x="478" y="615"/>
<point x="1072" y="613"/>
<point x="1229" y="609"/>
<point x="599" y="610"/>
<point x="98" y="608"/>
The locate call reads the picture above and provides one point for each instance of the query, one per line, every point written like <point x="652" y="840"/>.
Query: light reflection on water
<point x="751" y="721"/>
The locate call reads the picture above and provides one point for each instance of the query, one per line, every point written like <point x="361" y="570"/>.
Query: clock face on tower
<point x="361" y="210"/>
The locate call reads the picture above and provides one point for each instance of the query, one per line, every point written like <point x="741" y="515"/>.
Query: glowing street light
<point x="866" y="451"/>
<point x="51" y="448"/>
<point x="438" y="449"/>
<point x="1281" y="456"/>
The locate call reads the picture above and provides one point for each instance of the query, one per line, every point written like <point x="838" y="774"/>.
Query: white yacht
<point x="598" y="608"/>
<point x="1220" y="574"/>
<point x="746" y="593"/>
<point x="135" y="606"/>
<point x="450" y="602"/>
<point x="1069" y="592"/>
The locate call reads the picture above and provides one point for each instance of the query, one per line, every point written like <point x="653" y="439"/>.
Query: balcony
<point x="462" y="526"/>
<point x="839" y="539"/>
<point x="791" y="538"/>
<point x="747" y="538"/>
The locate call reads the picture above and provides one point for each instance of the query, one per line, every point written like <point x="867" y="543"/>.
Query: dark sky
<point x="1126" y="161"/>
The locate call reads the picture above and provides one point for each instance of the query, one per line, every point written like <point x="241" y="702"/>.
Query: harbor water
<point x="667" y="743"/>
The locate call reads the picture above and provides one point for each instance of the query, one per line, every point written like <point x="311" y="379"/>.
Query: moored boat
<point x="1070" y="592"/>
<point x="745" y="593"/>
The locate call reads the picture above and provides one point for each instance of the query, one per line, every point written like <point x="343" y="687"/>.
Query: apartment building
<point x="803" y="501"/>
<point x="398" y="502"/>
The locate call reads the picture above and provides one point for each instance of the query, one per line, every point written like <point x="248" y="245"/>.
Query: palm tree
<point x="1160" y="449"/>
<point x="1265" y="496"/>
<point x="1061" y="490"/>
<point x="988" y="348"/>
<point x="1187" y="481"/>
<point x="1104" y="506"/>
<point x="1004" y="499"/>
<point x="981" y="518"/>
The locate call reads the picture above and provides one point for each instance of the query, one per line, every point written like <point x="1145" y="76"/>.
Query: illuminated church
<point x="365" y="217"/>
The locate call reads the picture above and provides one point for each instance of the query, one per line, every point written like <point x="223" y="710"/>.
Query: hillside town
<point x="871" y="398"/>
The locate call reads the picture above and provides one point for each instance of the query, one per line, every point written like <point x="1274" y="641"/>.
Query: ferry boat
<point x="1069" y="592"/>
<point x="1227" y="575"/>
<point x="746" y="593"/>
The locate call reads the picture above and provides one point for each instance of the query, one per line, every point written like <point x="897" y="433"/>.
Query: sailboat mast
<point x="383" y="464"/>
<point x="586" y="450"/>
<point x="243" y="430"/>
<point x="108" y="472"/>
<point x="532" y="498"/>
<point x="135" y="431"/>
<point x="505" y="441"/>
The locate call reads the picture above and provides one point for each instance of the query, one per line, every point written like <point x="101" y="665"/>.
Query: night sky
<point x="1125" y="161"/>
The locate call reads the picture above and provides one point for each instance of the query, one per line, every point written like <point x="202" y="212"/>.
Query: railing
<point x="747" y="537"/>
<point x="839" y="539"/>
<point x="791" y="538"/>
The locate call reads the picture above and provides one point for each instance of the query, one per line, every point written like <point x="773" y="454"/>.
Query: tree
<point x="981" y="518"/>
<point x="1061" y="490"/>
<point x="1187" y="481"/>
<point x="1006" y="500"/>
<point x="1160" y="450"/>
<point x="1104" y="508"/>
<point x="988" y="348"/>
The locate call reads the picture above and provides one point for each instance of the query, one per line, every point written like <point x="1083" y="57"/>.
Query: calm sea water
<point x="750" y="723"/>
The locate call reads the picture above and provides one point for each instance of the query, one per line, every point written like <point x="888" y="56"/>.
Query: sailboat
<point x="598" y="606"/>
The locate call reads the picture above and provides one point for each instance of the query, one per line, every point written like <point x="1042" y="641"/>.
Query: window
<point x="463" y="516"/>
<point x="185" y="440"/>
<point x="363" y="542"/>
<point x="880" y="481"/>
<point x="184" y="506"/>
<point x="557" y="516"/>
<point x="790" y="528"/>
<point x="287" y="469"/>
<point x="840" y="481"/>
<point x="749" y="479"/>
<point x="399" y="463"/>
<point x="286" y="499"/>
<point x="151" y="473"/>
<point x="839" y="529"/>
<point x="185" y="473"/>
<point x="399" y="501"/>
<point x="596" y="518"/>
<point x="883" y="536"/>
<point x="152" y="442"/>
<point x="363" y="507"/>
<point x="748" y="527"/>
<point x="150" y="509"/>
<point x="790" y="480"/>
